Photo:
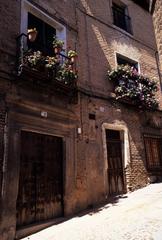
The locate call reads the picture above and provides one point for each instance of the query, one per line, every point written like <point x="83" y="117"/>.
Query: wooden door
<point x="115" y="163"/>
<point x="40" y="194"/>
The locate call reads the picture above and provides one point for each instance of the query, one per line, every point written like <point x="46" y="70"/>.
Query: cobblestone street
<point x="135" y="216"/>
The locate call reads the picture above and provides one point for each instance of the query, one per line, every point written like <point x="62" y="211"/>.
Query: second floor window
<point x="45" y="35"/>
<point x="121" y="18"/>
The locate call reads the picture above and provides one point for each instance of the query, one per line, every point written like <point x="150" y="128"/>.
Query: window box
<point x="38" y="80"/>
<point x="123" y="60"/>
<point x="132" y="87"/>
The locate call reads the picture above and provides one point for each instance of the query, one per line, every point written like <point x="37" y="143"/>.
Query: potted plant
<point x="32" y="34"/>
<point x="51" y="65"/>
<point x="72" y="55"/>
<point x="131" y="86"/>
<point x="66" y="74"/>
<point x="51" y="62"/>
<point x="35" y="60"/>
<point x="57" y="45"/>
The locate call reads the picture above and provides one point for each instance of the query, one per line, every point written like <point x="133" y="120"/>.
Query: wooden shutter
<point x="153" y="151"/>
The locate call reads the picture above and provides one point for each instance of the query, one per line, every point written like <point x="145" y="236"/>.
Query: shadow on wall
<point x="139" y="174"/>
<point x="96" y="49"/>
<point x="112" y="201"/>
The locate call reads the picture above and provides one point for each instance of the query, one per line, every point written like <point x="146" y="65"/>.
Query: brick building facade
<point x="156" y="9"/>
<point x="57" y="139"/>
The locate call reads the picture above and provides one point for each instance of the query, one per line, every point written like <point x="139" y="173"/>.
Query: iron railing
<point x="121" y="20"/>
<point x="63" y="71"/>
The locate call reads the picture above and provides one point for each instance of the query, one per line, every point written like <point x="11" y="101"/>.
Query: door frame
<point x="35" y="227"/>
<point x="69" y="153"/>
<point x="62" y="173"/>
<point x="125" y="153"/>
<point x="26" y="115"/>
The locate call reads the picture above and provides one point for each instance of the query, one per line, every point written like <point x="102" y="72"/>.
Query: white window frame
<point x="28" y="7"/>
<point x="129" y="58"/>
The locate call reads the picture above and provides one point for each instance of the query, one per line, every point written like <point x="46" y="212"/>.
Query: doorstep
<point x="36" y="227"/>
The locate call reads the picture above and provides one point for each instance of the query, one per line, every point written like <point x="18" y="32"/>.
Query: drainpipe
<point x="158" y="68"/>
<point x="5" y="155"/>
<point x="152" y="6"/>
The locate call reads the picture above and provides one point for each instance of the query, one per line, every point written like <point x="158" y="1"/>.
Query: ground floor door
<point x="40" y="195"/>
<point x="115" y="163"/>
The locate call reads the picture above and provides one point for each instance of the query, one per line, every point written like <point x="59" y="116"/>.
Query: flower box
<point x="131" y="87"/>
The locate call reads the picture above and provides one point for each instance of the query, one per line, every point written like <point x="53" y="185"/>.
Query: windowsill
<point x="122" y="31"/>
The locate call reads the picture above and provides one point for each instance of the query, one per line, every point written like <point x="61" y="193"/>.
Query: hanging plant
<point x="66" y="74"/>
<point x="130" y="85"/>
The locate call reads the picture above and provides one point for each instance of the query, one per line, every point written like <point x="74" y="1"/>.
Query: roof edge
<point x="145" y="4"/>
<point x="152" y="6"/>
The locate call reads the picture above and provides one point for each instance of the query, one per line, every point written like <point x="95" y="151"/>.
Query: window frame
<point x="44" y="39"/>
<point x="127" y="18"/>
<point x="117" y="54"/>
<point x="28" y="7"/>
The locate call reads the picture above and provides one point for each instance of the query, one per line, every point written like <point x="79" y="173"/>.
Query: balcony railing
<point x="55" y="72"/>
<point x="121" y="20"/>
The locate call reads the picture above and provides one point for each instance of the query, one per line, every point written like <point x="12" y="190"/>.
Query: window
<point x="122" y="60"/>
<point x="153" y="151"/>
<point x="32" y="16"/>
<point x="45" y="35"/>
<point x="121" y="18"/>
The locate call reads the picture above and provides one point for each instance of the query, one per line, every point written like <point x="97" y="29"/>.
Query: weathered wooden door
<point x="40" y="195"/>
<point x="115" y="163"/>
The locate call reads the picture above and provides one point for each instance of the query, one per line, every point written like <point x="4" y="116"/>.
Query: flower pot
<point x="32" y="34"/>
<point x="57" y="50"/>
<point x="72" y="59"/>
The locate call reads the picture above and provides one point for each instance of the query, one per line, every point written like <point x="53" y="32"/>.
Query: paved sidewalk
<point x="137" y="216"/>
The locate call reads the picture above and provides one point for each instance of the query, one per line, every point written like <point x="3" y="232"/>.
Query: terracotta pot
<point x="57" y="50"/>
<point x="72" y="59"/>
<point x="32" y="34"/>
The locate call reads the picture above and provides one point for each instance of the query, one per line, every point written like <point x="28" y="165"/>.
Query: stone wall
<point x="157" y="19"/>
